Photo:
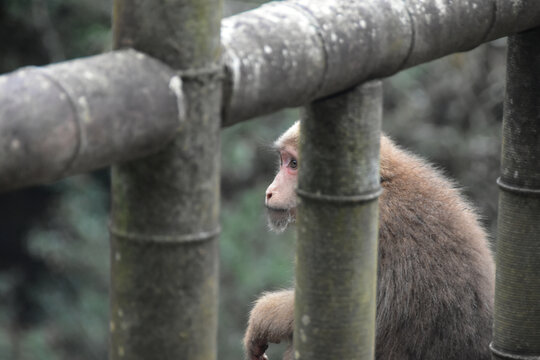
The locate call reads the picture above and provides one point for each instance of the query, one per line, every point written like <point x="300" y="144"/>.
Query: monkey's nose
<point x="268" y="195"/>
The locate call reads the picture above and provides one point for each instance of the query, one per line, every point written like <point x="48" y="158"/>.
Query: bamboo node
<point x="517" y="189"/>
<point x="505" y="355"/>
<point x="340" y="199"/>
<point x="215" y="71"/>
<point x="158" y="238"/>
<point x="80" y="112"/>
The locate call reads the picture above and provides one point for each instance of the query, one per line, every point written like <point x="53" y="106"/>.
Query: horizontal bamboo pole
<point x="285" y="54"/>
<point x="84" y="114"/>
<point x="280" y="55"/>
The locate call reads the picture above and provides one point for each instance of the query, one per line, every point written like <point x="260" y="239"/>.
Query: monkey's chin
<point x="279" y="219"/>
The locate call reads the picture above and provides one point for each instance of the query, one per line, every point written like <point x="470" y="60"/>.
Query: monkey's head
<point x="280" y="197"/>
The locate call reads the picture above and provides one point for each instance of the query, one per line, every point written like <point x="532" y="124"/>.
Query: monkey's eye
<point x="293" y="164"/>
<point x="288" y="162"/>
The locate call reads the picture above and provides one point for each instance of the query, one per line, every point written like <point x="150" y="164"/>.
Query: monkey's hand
<point x="271" y="320"/>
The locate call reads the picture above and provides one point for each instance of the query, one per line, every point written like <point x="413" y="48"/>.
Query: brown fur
<point x="271" y="321"/>
<point x="435" y="274"/>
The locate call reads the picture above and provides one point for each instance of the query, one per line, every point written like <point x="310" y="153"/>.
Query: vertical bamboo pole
<point x="516" y="332"/>
<point x="164" y="219"/>
<point x="337" y="226"/>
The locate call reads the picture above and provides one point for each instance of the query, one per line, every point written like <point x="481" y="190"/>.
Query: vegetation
<point x="54" y="262"/>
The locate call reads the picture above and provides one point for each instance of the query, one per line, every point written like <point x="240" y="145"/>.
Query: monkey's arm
<point x="271" y="320"/>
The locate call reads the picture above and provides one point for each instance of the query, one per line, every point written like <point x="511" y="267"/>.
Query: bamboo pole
<point x="287" y="53"/>
<point x="80" y="115"/>
<point x="283" y="54"/>
<point x="337" y="226"/>
<point x="165" y="208"/>
<point x="517" y="293"/>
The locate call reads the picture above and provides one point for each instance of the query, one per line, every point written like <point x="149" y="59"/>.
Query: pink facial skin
<point x="280" y="197"/>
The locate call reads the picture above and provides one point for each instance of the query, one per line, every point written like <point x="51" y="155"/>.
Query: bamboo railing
<point x="161" y="105"/>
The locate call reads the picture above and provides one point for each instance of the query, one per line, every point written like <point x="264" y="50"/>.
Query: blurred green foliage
<point x="54" y="262"/>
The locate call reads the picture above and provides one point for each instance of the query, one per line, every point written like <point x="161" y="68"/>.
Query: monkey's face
<point x="280" y="198"/>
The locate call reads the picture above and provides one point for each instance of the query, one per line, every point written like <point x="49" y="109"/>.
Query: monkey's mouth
<point x="279" y="218"/>
<point x="276" y="210"/>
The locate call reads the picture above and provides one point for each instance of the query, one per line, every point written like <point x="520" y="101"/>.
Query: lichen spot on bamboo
<point x="45" y="85"/>
<point x="15" y="144"/>
<point x="83" y="103"/>
<point x="88" y="75"/>
<point x="175" y="85"/>
<point x="441" y="6"/>
<point x="303" y="336"/>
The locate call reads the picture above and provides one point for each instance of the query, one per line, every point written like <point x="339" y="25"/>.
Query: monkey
<point x="435" y="276"/>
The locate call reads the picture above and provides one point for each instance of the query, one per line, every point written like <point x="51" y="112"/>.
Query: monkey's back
<point x="436" y="272"/>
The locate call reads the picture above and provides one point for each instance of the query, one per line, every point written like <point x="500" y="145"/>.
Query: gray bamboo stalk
<point x="80" y="115"/>
<point x="517" y="293"/>
<point x="337" y="226"/>
<point x="288" y="53"/>
<point x="165" y="208"/>
<point x="283" y="54"/>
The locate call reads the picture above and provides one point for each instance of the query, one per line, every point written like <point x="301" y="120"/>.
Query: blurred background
<point x="54" y="254"/>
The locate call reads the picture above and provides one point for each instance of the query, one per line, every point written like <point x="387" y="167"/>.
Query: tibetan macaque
<point x="435" y="269"/>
